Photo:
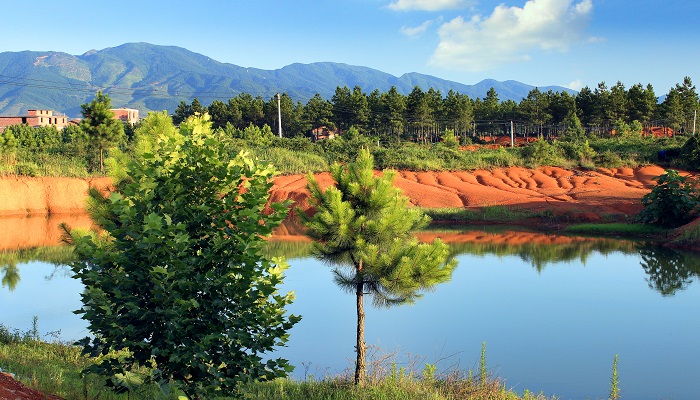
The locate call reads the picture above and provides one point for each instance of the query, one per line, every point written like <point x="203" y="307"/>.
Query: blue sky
<point x="571" y="43"/>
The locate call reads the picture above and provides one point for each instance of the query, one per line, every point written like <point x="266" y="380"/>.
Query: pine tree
<point x="102" y="129"/>
<point x="364" y="226"/>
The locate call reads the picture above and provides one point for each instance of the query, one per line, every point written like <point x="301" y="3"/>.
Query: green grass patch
<point x="55" y="368"/>
<point x="495" y="214"/>
<point x="616" y="229"/>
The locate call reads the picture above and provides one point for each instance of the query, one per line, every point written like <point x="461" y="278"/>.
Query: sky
<point x="571" y="43"/>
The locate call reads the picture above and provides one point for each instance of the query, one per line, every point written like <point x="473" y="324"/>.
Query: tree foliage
<point x="102" y="129"/>
<point x="672" y="202"/>
<point x="363" y="225"/>
<point x="179" y="282"/>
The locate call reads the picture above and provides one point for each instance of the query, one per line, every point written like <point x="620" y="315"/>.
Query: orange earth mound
<point x="580" y="195"/>
<point x="584" y="195"/>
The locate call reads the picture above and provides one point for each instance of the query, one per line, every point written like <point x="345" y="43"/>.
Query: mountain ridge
<point x="151" y="77"/>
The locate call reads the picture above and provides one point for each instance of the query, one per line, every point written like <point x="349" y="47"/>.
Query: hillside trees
<point x="103" y="131"/>
<point x="680" y="105"/>
<point x="363" y="225"/>
<point x="318" y="112"/>
<point x="422" y="116"/>
<point x="178" y="284"/>
<point x="641" y="103"/>
<point x="535" y="108"/>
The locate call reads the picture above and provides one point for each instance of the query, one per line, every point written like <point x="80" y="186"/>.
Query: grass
<point x="54" y="367"/>
<point x="494" y="214"/>
<point x="616" y="229"/>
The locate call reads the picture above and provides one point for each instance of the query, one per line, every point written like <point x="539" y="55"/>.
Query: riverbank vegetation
<point x="54" y="367"/>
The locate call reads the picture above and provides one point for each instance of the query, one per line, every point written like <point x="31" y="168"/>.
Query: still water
<point x="553" y="313"/>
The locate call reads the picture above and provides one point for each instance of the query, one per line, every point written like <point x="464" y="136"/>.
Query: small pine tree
<point x="102" y="129"/>
<point x="364" y="226"/>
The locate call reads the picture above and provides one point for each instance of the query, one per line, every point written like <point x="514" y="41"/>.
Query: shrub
<point x="672" y="202"/>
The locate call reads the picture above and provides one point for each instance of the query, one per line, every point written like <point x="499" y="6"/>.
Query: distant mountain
<point x="153" y="78"/>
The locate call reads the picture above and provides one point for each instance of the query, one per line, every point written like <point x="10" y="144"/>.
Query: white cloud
<point x="510" y="34"/>
<point x="420" y="29"/>
<point x="576" y="85"/>
<point x="429" y="5"/>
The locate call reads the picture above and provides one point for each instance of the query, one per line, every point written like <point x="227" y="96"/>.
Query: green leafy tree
<point x="672" y="202"/>
<point x="8" y="142"/>
<point x="364" y="226"/>
<point x="102" y="129"/>
<point x="181" y="284"/>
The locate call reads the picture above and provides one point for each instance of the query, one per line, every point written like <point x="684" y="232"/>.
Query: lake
<point x="553" y="312"/>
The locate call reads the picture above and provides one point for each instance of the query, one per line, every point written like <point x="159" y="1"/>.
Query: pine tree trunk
<point x="360" y="366"/>
<point x="102" y="164"/>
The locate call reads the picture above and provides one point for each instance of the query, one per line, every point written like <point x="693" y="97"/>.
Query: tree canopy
<point x="102" y="129"/>
<point x="179" y="282"/>
<point x="364" y="226"/>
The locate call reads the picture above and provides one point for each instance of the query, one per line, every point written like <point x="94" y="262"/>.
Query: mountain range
<point x="152" y="78"/>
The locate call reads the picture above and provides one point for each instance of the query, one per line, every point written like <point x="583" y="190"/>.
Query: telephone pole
<point x="279" y="114"/>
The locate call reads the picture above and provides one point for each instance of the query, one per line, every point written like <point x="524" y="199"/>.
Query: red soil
<point x="583" y="195"/>
<point x="10" y="389"/>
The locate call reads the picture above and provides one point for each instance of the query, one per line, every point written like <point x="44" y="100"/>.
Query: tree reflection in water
<point x="668" y="270"/>
<point x="59" y="256"/>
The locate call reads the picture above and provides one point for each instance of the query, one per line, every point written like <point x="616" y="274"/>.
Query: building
<point x="126" y="115"/>
<point x="36" y="118"/>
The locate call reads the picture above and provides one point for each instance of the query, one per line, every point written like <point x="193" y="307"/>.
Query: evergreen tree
<point x="318" y="112"/>
<point x="181" y="112"/>
<point x="102" y="129"/>
<point x="585" y="104"/>
<point x="342" y="107"/>
<point x="394" y="106"/>
<point x="641" y="103"/>
<point x="364" y="226"/>
<point x="458" y="110"/>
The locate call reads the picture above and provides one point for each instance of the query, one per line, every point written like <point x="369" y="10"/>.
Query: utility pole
<point x="279" y="114"/>
<point x="512" y="138"/>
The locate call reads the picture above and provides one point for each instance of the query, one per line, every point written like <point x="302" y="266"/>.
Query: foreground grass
<point x="55" y="368"/>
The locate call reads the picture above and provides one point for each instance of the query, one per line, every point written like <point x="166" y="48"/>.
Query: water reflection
<point x="668" y="270"/>
<point x="553" y="309"/>
<point x="58" y="256"/>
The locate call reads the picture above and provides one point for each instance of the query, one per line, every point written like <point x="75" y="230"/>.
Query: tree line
<point x="422" y="116"/>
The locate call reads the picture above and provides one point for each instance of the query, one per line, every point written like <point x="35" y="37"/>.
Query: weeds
<point x="614" y="382"/>
<point x="55" y="368"/>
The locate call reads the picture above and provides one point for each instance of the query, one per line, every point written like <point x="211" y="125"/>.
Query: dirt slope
<point x="585" y="194"/>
